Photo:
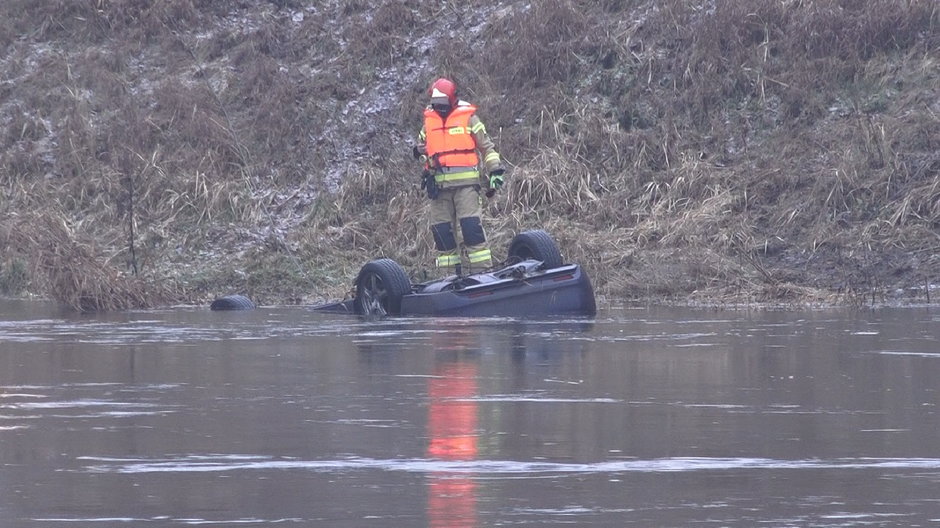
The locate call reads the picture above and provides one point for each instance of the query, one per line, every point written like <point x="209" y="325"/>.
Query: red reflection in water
<point x="452" y="432"/>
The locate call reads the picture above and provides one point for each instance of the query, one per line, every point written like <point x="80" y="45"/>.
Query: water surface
<point x="640" y="417"/>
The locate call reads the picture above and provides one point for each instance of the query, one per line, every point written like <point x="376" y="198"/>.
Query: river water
<point x="640" y="417"/>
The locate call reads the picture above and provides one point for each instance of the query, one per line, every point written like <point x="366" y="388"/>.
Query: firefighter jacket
<point x="454" y="146"/>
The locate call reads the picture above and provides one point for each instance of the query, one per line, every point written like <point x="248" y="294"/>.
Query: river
<point x="643" y="416"/>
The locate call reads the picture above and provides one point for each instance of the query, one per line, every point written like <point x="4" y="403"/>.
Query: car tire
<point x="379" y="288"/>
<point x="535" y="244"/>
<point x="232" y="302"/>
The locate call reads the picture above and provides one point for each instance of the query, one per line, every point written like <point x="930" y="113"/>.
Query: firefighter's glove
<point x="496" y="179"/>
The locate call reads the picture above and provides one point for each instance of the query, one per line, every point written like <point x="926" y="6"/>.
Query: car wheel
<point x="537" y="245"/>
<point x="379" y="288"/>
<point x="232" y="302"/>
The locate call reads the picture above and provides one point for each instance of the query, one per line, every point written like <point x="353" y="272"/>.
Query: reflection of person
<point x="451" y="144"/>
<point x="452" y="415"/>
<point x="452" y="435"/>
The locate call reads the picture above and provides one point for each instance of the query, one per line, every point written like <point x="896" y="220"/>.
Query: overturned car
<point x="533" y="281"/>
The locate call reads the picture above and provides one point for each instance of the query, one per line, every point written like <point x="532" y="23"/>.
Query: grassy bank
<point x="767" y="151"/>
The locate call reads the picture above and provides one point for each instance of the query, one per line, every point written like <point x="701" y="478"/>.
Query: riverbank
<point x="774" y="152"/>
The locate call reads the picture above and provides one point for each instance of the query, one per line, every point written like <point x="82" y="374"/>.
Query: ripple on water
<point x="184" y="521"/>
<point x="227" y="463"/>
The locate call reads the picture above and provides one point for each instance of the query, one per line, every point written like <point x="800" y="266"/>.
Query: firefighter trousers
<point x="458" y="211"/>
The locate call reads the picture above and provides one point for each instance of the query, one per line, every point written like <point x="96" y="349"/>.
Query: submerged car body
<point x="523" y="289"/>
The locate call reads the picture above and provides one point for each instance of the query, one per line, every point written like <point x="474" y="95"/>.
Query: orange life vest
<point x="450" y="143"/>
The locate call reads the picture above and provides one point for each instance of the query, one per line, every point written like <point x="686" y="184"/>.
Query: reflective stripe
<point x="492" y="156"/>
<point x="456" y="176"/>
<point x="478" y="128"/>
<point x="453" y="170"/>
<point x="448" y="261"/>
<point x="480" y="256"/>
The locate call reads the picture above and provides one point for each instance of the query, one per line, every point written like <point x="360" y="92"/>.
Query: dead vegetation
<point x="60" y="261"/>
<point x="760" y="151"/>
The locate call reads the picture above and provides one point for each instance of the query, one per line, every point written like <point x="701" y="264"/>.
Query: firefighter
<point x="453" y="144"/>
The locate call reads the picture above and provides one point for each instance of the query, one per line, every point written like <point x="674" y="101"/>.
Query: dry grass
<point x="752" y="150"/>
<point x="72" y="270"/>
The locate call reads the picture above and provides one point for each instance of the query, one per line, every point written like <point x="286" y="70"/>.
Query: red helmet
<point x="442" y="88"/>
